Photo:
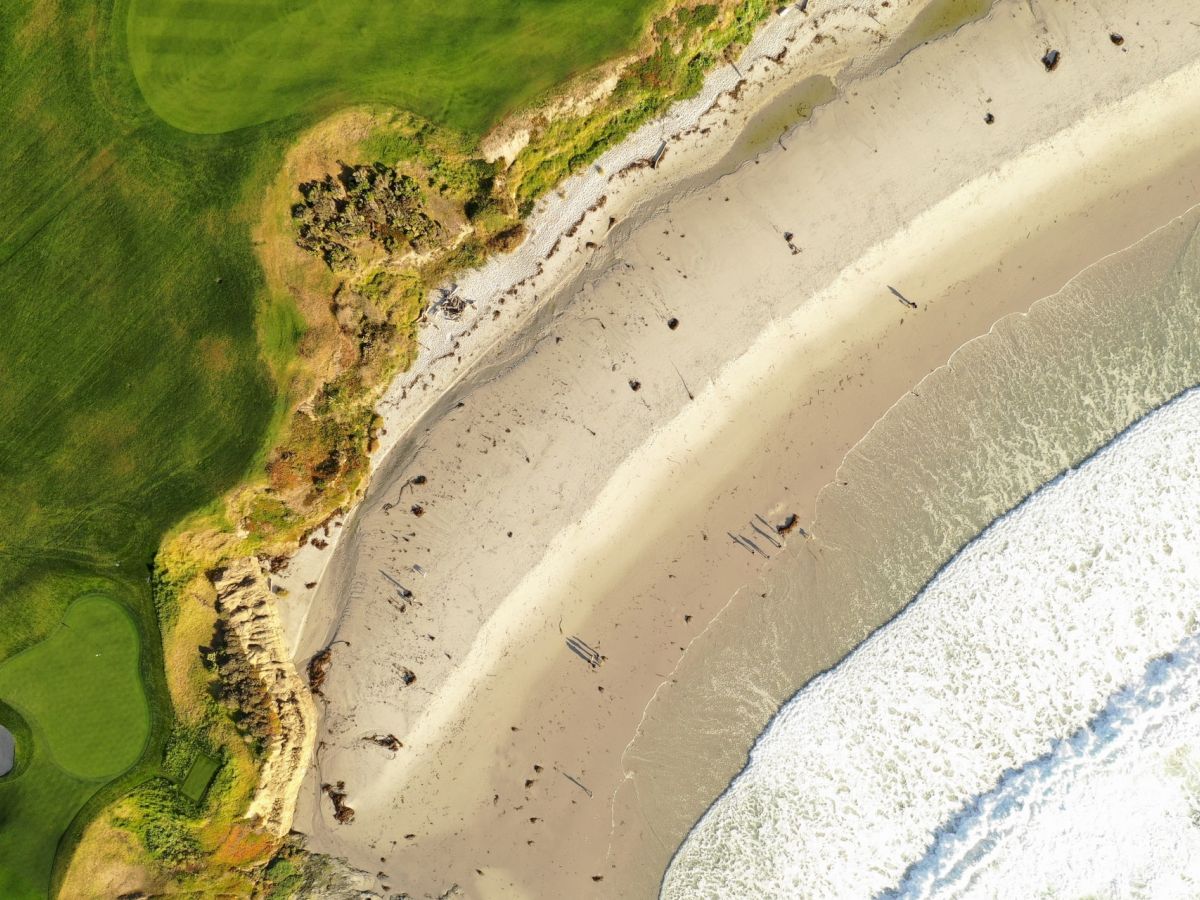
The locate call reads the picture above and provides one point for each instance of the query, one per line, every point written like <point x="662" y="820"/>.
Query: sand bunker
<point x="7" y="745"/>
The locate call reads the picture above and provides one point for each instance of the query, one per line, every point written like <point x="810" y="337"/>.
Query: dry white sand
<point x="618" y="501"/>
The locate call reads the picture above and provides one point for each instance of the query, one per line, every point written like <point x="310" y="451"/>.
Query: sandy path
<point x="618" y="501"/>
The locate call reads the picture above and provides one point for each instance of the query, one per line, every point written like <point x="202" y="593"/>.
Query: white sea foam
<point x="952" y="753"/>
<point x="1112" y="811"/>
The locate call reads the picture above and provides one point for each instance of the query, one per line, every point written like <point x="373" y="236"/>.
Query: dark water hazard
<point x="1011" y="410"/>
<point x="770" y="125"/>
<point x="937" y="20"/>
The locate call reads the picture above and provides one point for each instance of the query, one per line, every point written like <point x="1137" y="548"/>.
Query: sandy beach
<point x="699" y="373"/>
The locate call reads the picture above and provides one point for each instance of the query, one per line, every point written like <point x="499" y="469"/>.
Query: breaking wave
<point x="1025" y="726"/>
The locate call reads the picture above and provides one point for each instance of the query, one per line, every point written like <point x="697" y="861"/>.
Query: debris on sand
<point x="787" y="524"/>
<point x="450" y="303"/>
<point x="387" y="741"/>
<point x="989" y="119"/>
<point x="408" y="676"/>
<point x="337" y="795"/>
<point x="899" y="296"/>
<point x="764" y="534"/>
<point x="1051" y="60"/>
<point x="585" y="651"/>
<point x="318" y="670"/>
<point x="658" y="155"/>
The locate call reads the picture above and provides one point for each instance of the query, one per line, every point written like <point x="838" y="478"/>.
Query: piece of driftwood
<point x="387" y="741"/>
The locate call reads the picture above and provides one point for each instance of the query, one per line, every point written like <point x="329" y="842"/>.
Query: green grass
<point x="81" y="692"/>
<point x="131" y="387"/>
<point x="84" y="719"/>
<point x="213" y="65"/>
<point x="200" y="776"/>
<point x="135" y="326"/>
<point x="79" y="701"/>
<point x="22" y="740"/>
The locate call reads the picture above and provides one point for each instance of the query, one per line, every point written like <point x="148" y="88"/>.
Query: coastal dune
<point x="527" y="572"/>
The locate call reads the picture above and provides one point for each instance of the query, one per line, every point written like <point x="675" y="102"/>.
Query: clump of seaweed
<point x="318" y="670"/>
<point x="337" y="795"/>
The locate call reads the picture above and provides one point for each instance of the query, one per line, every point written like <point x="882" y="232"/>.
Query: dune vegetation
<point x="174" y="387"/>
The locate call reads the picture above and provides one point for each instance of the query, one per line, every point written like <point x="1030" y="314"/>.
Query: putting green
<point x="81" y="691"/>
<point x="211" y="66"/>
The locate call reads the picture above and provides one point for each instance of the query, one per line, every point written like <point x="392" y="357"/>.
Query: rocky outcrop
<point x="245" y="603"/>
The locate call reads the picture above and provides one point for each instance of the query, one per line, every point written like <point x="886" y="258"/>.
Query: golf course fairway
<point x="213" y="66"/>
<point x="137" y="328"/>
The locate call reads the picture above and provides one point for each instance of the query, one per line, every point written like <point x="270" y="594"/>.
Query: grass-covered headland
<point x="207" y="273"/>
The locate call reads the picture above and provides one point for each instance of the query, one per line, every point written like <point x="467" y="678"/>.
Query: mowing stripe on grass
<point x="211" y="66"/>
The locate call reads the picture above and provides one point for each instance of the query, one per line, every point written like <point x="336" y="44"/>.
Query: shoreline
<point x="569" y="231"/>
<point x="635" y="570"/>
<point x="998" y="533"/>
<point x="1110" y="442"/>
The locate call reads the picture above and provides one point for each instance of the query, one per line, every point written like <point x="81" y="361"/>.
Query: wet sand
<point x="619" y="501"/>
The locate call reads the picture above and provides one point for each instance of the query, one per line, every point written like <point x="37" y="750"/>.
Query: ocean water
<point x="1028" y="724"/>
<point x="1021" y="638"/>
